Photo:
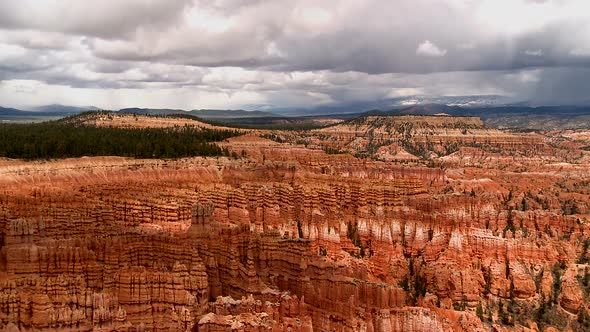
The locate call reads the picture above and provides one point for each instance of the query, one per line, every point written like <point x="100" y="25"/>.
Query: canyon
<point x="380" y="223"/>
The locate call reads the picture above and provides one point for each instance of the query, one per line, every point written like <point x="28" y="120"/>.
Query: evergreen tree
<point x="64" y="139"/>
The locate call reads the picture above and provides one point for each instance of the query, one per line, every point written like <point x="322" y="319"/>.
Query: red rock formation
<point x="296" y="238"/>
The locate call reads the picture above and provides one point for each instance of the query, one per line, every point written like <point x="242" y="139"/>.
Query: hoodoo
<point x="481" y="228"/>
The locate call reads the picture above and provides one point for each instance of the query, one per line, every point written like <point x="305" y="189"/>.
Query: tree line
<point x="269" y="123"/>
<point x="56" y="139"/>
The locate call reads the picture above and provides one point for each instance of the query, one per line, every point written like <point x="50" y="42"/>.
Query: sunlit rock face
<point x="491" y="234"/>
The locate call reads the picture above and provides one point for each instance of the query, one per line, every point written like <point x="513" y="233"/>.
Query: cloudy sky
<point x="257" y="54"/>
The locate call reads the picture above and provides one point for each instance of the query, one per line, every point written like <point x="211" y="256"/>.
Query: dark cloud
<point x="109" y="18"/>
<point x="562" y="86"/>
<point x="300" y="52"/>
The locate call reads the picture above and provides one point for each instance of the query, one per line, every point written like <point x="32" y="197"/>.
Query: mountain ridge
<point x="59" y="108"/>
<point x="201" y="113"/>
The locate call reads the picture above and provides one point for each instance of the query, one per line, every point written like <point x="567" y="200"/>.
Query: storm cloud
<point x="270" y="54"/>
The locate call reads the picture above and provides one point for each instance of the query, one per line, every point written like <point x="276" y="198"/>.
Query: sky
<point x="255" y="54"/>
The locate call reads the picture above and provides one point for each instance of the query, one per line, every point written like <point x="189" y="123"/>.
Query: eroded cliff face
<point x="294" y="238"/>
<point x="411" y="138"/>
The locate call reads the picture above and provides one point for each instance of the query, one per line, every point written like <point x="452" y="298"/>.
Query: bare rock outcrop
<point x="480" y="230"/>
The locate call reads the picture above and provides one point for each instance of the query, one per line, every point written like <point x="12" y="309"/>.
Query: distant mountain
<point x="351" y="108"/>
<point x="6" y="111"/>
<point x="516" y="116"/>
<point x="473" y="101"/>
<point x="542" y="118"/>
<point x="41" y="113"/>
<point x="57" y="108"/>
<point x="432" y="109"/>
<point x="223" y="114"/>
<point x="400" y="103"/>
<point x="202" y="113"/>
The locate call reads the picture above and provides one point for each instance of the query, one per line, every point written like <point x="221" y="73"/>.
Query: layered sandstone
<point x="290" y="237"/>
<point x="407" y="138"/>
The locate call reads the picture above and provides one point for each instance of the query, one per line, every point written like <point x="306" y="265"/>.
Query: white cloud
<point x="283" y="53"/>
<point x="534" y="52"/>
<point x="18" y="93"/>
<point x="527" y="76"/>
<point x="516" y="17"/>
<point x="11" y="51"/>
<point x="207" y="21"/>
<point x="427" y="48"/>
<point x="403" y="92"/>
<point x="409" y="102"/>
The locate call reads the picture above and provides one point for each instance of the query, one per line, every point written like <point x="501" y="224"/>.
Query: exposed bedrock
<point x="298" y="239"/>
